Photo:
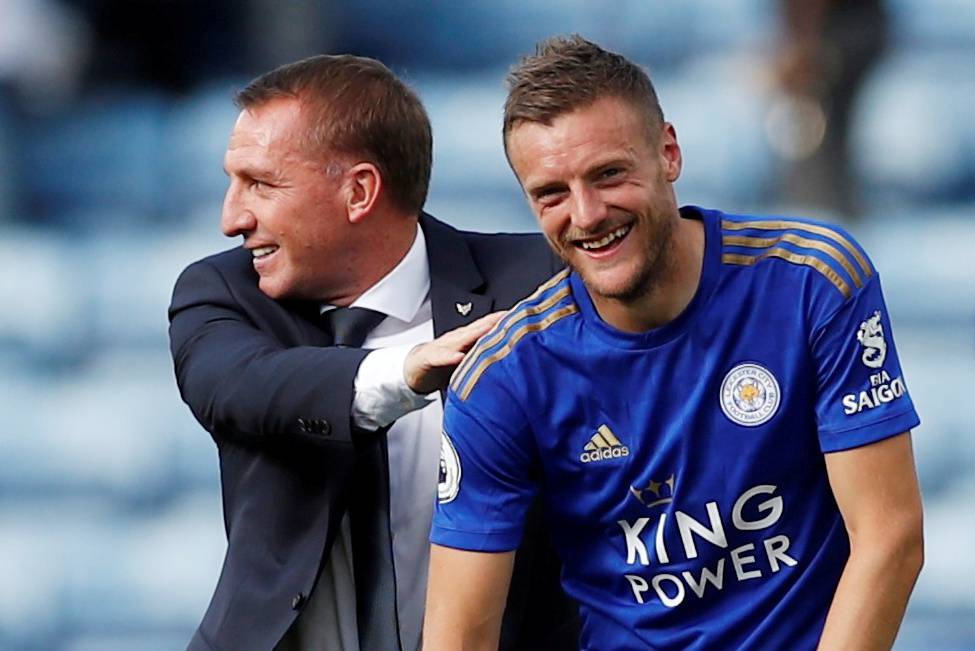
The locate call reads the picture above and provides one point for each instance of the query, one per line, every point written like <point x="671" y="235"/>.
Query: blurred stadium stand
<point x="111" y="535"/>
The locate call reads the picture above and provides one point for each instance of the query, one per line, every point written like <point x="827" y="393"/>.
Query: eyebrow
<point x="250" y="172"/>
<point x="543" y="188"/>
<point x="591" y="171"/>
<point x="613" y="162"/>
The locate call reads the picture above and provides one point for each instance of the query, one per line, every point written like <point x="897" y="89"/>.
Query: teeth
<point x="262" y="251"/>
<point x="604" y="241"/>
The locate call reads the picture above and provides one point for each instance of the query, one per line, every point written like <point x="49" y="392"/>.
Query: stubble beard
<point x="656" y="268"/>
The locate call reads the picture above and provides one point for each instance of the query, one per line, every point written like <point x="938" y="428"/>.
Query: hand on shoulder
<point x="429" y="365"/>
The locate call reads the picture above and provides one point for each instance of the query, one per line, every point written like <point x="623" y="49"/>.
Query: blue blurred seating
<point x="487" y="34"/>
<point x="719" y="117"/>
<point x="101" y="154"/>
<point x="110" y="524"/>
<point x="45" y="318"/>
<point x="195" y="131"/>
<point x="9" y="171"/>
<point x="130" y="281"/>
<point x="925" y="258"/>
<point x="116" y="430"/>
<point x="922" y="24"/>
<point x="102" y="574"/>
<point x="465" y="113"/>
<point x="913" y="137"/>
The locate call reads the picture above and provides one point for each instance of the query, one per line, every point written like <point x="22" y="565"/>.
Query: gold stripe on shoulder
<point x="775" y="225"/>
<point x="804" y="242"/>
<point x="499" y="335"/>
<point x="520" y="333"/>
<point x="518" y="315"/>
<point x="794" y="258"/>
<point x="476" y="350"/>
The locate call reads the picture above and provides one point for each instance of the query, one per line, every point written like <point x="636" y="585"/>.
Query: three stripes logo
<point x="602" y="446"/>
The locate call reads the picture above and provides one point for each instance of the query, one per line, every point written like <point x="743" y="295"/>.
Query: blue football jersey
<point x="682" y="469"/>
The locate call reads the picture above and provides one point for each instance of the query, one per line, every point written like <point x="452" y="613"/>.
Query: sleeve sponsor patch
<point x="449" y="483"/>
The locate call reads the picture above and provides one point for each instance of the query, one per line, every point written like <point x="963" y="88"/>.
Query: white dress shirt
<point x="382" y="397"/>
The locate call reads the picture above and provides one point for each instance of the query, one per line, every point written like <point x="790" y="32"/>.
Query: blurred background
<point x="114" y="117"/>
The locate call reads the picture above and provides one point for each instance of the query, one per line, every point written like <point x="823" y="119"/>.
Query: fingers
<point x="447" y="359"/>
<point x="428" y="366"/>
<point x="463" y="338"/>
<point x="488" y="320"/>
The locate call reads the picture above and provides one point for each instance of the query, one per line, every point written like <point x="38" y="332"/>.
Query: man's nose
<point x="588" y="208"/>
<point x="235" y="217"/>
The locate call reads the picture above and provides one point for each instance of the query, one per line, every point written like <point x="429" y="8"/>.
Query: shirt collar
<point x="400" y="293"/>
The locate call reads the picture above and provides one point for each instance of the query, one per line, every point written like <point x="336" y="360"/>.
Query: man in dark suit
<point x="329" y="433"/>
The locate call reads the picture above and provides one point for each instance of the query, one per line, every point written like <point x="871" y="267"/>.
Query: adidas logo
<point x="603" y="445"/>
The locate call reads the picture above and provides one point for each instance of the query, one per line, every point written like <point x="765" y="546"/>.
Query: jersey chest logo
<point x="603" y="445"/>
<point x="749" y="395"/>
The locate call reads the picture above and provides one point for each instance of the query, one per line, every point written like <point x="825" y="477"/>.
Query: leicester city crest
<point x="449" y="484"/>
<point x="749" y="395"/>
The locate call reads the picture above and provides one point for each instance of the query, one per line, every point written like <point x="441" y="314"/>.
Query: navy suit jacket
<point x="260" y="376"/>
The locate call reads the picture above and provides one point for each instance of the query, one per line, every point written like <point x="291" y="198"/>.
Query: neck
<point x="379" y="251"/>
<point x="670" y="292"/>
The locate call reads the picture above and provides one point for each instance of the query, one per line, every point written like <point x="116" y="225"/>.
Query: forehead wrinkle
<point x="240" y="138"/>
<point x="561" y="151"/>
<point x="269" y="124"/>
<point x="266" y="141"/>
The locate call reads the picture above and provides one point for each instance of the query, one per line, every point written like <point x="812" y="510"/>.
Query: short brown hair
<point x="567" y="73"/>
<point x="357" y="106"/>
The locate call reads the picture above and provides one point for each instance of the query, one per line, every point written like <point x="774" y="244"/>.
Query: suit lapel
<point x="456" y="284"/>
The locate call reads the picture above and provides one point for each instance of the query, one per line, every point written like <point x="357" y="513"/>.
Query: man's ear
<point x="364" y="183"/>
<point x="670" y="153"/>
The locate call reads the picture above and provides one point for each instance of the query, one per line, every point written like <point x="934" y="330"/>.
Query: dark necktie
<point x="351" y="325"/>
<point x="372" y="546"/>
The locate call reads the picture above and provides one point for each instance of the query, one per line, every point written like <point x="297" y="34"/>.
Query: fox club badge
<point x="749" y="395"/>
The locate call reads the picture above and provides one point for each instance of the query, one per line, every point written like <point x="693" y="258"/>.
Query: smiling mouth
<point x="263" y="251"/>
<point x="606" y="242"/>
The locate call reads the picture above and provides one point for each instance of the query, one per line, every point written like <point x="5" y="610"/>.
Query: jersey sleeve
<point x="862" y="396"/>
<point x="487" y="469"/>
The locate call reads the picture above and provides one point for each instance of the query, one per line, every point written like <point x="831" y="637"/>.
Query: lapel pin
<point x="463" y="309"/>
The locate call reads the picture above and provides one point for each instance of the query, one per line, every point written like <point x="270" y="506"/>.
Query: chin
<point x="607" y="288"/>
<point x="272" y="289"/>
<point x="626" y="289"/>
